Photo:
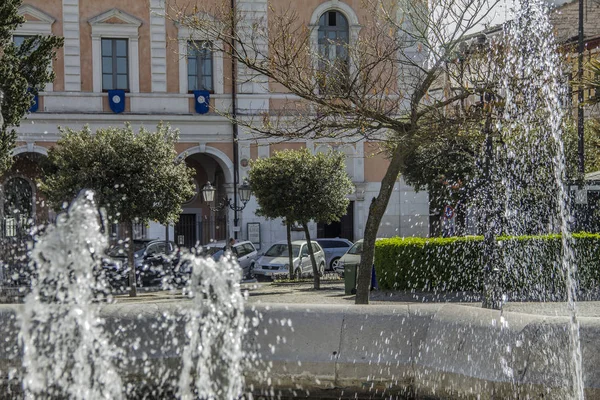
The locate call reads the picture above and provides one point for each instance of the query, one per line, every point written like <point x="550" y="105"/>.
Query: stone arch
<point x="30" y="148"/>
<point x="340" y="6"/>
<point x="221" y="158"/>
<point x="322" y="148"/>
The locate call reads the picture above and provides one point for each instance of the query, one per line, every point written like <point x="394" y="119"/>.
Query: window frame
<point x="128" y="29"/>
<point x="42" y="26"/>
<point x="198" y="76"/>
<point x="353" y="28"/>
<point x="114" y="58"/>
<point x="184" y="35"/>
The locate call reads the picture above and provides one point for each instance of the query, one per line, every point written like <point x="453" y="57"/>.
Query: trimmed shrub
<point x="530" y="266"/>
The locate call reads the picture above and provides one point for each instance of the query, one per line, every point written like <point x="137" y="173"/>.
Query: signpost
<point x="253" y="229"/>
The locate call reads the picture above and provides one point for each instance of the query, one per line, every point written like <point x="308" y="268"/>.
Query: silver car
<point x="352" y="257"/>
<point x="334" y="249"/>
<point x="244" y="252"/>
<point x="276" y="260"/>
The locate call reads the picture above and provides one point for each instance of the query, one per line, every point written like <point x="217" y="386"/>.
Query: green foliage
<point x="299" y="187"/>
<point x="591" y="133"/>
<point x="134" y="175"/>
<point x="445" y="162"/>
<point x="456" y="264"/>
<point x="21" y="69"/>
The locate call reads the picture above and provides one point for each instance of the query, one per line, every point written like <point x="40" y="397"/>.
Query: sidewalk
<point x="332" y="292"/>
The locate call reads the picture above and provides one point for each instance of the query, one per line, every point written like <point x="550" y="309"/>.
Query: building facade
<point x="136" y="48"/>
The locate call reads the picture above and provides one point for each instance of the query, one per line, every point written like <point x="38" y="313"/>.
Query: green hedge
<point x="530" y="266"/>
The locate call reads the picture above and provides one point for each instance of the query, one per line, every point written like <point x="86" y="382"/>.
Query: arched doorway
<point x="20" y="203"/>
<point x="18" y="206"/>
<point x="198" y="224"/>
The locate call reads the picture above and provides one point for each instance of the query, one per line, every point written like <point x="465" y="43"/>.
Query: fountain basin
<point x="418" y="350"/>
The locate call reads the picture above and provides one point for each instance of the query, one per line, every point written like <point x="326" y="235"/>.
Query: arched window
<point x="18" y="205"/>
<point x="333" y="42"/>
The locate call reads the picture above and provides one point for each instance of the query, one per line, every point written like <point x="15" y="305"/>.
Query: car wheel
<point x="251" y="271"/>
<point x="298" y="273"/>
<point x="334" y="263"/>
<point x="322" y="269"/>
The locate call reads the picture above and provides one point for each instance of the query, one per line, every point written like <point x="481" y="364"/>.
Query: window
<point x="356" y="249"/>
<point x="315" y="247"/>
<point x="239" y="251"/>
<point x="249" y="248"/>
<point x="333" y="244"/>
<point x="304" y="252"/>
<point x="281" y="250"/>
<point x="115" y="72"/>
<point x="333" y="39"/>
<point x="19" y="39"/>
<point x="200" y="65"/>
<point x="115" y="40"/>
<point x="243" y="249"/>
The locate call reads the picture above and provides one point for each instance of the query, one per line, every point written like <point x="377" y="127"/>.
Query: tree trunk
<point x="317" y="278"/>
<point x="288" y="228"/>
<point x="130" y="258"/>
<point x="376" y="211"/>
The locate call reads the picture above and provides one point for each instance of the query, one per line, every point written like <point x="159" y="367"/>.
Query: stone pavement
<point x="332" y="292"/>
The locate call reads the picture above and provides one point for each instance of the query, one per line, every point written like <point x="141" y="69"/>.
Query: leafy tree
<point x="299" y="187"/>
<point x="379" y="83"/>
<point x="23" y="72"/>
<point x="446" y="164"/>
<point x="136" y="176"/>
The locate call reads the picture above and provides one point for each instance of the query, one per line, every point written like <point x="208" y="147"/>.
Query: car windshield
<point x="356" y="249"/>
<point x="281" y="250"/>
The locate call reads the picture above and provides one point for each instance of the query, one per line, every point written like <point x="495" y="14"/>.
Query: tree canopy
<point x="134" y="175"/>
<point x="24" y="70"/>
<point x="299" y="186"/>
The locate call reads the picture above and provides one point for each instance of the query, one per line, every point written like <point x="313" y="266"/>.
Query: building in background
<point x="131" y="46"/>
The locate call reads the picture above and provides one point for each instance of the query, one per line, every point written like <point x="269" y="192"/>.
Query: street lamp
<point x="209" y="192"/>
<point x="492" y="296"/>
<point x="1" y="99"/>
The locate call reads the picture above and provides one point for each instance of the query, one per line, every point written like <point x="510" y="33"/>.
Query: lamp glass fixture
<point x="208" y="192"/>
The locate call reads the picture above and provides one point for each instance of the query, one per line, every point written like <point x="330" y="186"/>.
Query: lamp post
<point x="492" y="296"/>
<point x="580" y="117"/>
<point x="1" y="117"/>
<point x="245" y="192"/>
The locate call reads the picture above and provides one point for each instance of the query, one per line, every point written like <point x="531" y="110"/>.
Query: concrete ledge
<point x="423" y="350"/>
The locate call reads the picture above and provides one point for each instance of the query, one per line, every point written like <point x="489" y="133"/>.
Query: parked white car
<point x="276" y="260"/>
<point x="352" y="257"/>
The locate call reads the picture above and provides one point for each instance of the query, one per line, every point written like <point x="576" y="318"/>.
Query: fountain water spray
<point x="532" y="129"/>
<point x="214" y="328"/>
<point x="66" y="353"/>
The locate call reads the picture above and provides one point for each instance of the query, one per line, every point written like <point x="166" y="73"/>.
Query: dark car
<point x="154" y="259"/>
